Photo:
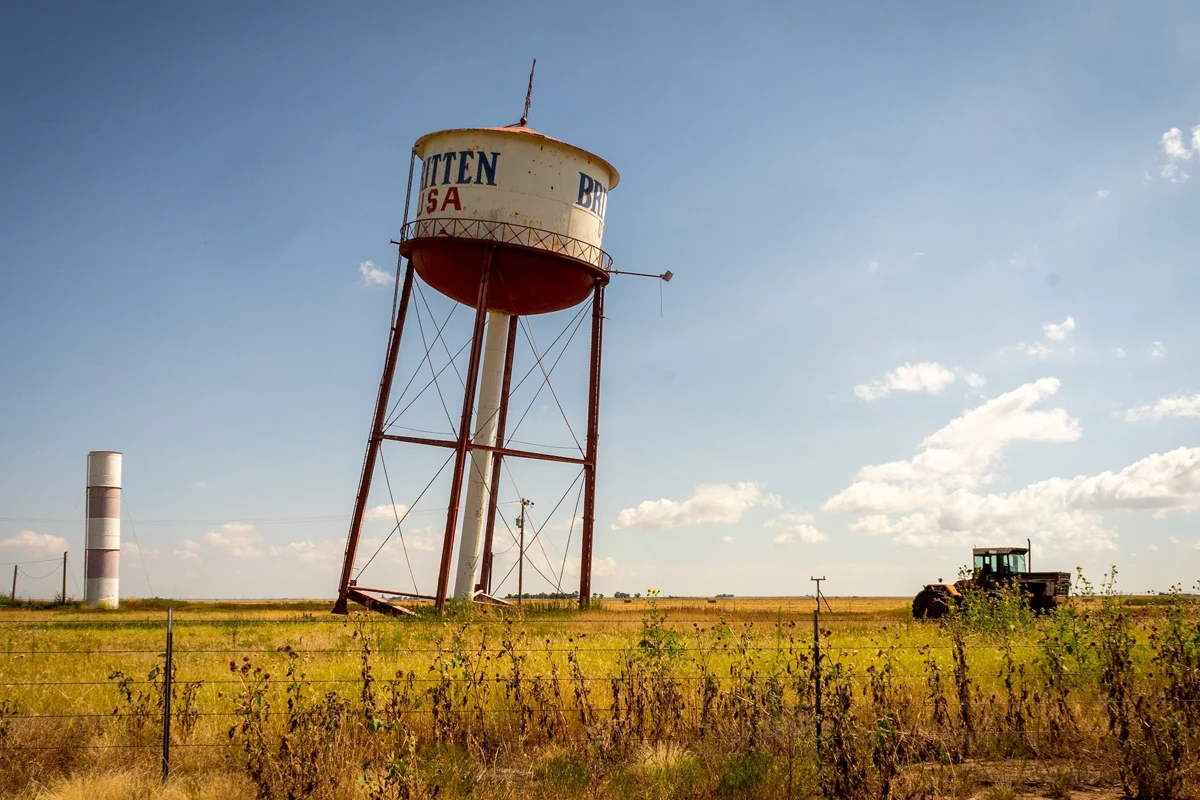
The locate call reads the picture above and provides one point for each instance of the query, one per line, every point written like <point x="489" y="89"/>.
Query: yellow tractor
<point x="993" y="569"/>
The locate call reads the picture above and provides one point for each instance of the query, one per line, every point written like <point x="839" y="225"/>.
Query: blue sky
<point x="874" y="214"/>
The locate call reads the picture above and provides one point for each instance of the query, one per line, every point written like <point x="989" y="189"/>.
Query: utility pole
<point x="820" y="597"/>
<point x="168" y="677"/>
<point x="64" y="591"/>
<point x="14" y="591"/>
<point x="818" y="716"/>
<point x="521" y="563"/>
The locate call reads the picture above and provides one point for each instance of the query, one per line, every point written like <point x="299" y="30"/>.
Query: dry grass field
<point x="658" y="697"/>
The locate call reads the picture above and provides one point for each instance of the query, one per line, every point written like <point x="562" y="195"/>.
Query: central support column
<point x="479" y="477"/>
<point x="470" y="384"/>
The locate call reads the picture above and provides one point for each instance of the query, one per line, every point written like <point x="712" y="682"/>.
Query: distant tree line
<point x="546" y="596"/>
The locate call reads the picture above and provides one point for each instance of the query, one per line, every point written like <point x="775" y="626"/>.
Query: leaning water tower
<point x="509" y="223"/>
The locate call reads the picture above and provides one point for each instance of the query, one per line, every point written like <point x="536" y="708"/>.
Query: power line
<point x="407" y="511"/>
<point x="74" y="582"/>
<point x="141" y="554"/>
<point x="39" y="577"/>
<point x="217" y="521"/>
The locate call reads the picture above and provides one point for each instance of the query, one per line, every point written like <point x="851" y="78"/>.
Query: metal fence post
<point x="817" y="675"/>
<point x="166" y="740"/>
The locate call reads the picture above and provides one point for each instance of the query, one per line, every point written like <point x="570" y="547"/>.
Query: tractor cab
<point x="1000" y="562"/>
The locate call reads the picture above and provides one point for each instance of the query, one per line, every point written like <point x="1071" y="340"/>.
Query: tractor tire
<point x="929" y="604"/>
<point x="1044" y="606"/>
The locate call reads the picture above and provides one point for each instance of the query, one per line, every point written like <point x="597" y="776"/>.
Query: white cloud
<point x="921" y="377"/>
<point x="134" y="550"/>
<point x="416" y="540"/>
<point x="1162" y="484"/>
<point x="1102" y="194"/>
<point x="1180" y="406"/>
<point x="960" y="453"/>
<point x="873" y="267"/>
<point x="35" y="544"/>
<point x="388" y="511"/>
<point x="604" y="567"/>
<point x="1118" y="352"/>
<point x="1054" y="331"/>
<point x="238" y="539"/>
<point x="728" y="539"/>
<point x="326" y="551"/>
<point x="1176" y="150"/>
<point x="1152" y="548"/>
<point x="934" y="499"/>
<point x="575" y="523"/>
<point x="373" y="275"/>
<point x="710" y="504"/>
<point x="187" y="549"/>
<point x="1157" y="350"/>
<point x="1173" y="146"/>
<point x="871" y="524"/>
<point x="1059" y="331"/>
<point x="924" y="376"/>
<point x="200" y="485"/>
<point x="920" y="254"/>
<point x="1173" y="173"/>
<point x="795" y="528"/>
<point x="1175" y="540"/>
<point x="421" y="540"/>
<point x="973" y="379"/>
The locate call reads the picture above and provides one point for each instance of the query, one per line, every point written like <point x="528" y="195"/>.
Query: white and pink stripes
<point x="103" y="529"/>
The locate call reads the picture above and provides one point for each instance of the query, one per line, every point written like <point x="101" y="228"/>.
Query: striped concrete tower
<point x="103" y="529"/>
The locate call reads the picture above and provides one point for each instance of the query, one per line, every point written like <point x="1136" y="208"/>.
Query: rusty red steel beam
<point x="393" y="592"/>
<point x="593" y="443"/>
<point x="377" y="424"/>
<point x="449" y="443"/>
<point x="507" y="451"/>
<point x="380" y="606"/>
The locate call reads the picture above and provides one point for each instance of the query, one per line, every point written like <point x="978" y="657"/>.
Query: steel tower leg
<point x="593" y="441"/>
<point x="464" y="431"/>
<point x="368" y="470"/>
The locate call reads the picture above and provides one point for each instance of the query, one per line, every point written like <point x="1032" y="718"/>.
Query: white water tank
<point x="102" y="561"/>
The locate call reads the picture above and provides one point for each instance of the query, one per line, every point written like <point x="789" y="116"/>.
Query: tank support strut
<point x="368" y="469"/>
<point x="593" y="441"/>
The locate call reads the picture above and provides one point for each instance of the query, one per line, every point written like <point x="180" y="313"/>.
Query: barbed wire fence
<point x="812" y="659"/>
